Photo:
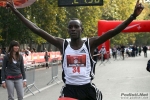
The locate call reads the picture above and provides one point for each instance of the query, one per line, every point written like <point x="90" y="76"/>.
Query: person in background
<point x="33" y="50"/>
<point x="1" y="55"/>
<point x="127" y="52"/>
<point x="45" y="49"/>
<point x="102" y="52"/>
<point x="145" y="51"/>
<point x="4" y="50"/>
<point x="13" y="73"/>
<point x="139" y="49"/>
<point x="27" y="51"/>
<point x="22" y="52"/>
<point x="136" y="50"/>
<point x="114" y="52"/>
<point x="1" y="61"/>
<point x="133" y="51"/>
<point x="122" y="51"/>
<point x="95" y="56"/>
<point x="46" y="57"/>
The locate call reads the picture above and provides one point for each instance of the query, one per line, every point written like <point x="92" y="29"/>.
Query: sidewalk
<point x="113" y="78"/>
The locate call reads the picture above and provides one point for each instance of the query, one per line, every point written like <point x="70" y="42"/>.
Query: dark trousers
<point x="122" y="54"/>
<point x="114" y="55"/>
<point x="82" y="92"/>
<point x="47" y="65"/>
<point x="0" y="77"/>
<point x="95" y="58"/>
<point x="145" y="54"/>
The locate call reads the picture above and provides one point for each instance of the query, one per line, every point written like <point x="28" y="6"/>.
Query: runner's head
<point x="75" y="28"/>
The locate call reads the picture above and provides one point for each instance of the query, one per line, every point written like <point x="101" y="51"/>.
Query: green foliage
<point x="121" y="10"/>
<point x="144" y="38"/>
<point x="53" y="19"/>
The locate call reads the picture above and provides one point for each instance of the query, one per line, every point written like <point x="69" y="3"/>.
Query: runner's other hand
<point x="138" y="9"/>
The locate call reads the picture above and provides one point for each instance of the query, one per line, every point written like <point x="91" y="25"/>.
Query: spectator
<point x="102" y="52"/>
<point x="122" y="51"/>
<point x="45" y="50"/>
<point x="4" y="51"/>
<point x="145" y="50"/>
<point x="13" y="74"/>
<point x="95" y="57"/>
<point x="139" y="49"/>
<point x="33" y="50"/>
<point x="27" y="51"/>
<point x="46" y="57"/>
<point x="1" y="61"/>
<point x="127" y="52"/>
<point x="136" y="50"/>
<point x="133" y="51"/>
<point x="22" y="52"/>
<point x="114" y="52"/>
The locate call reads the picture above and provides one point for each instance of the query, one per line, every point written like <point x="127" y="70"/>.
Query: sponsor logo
<point x="82" y="51"/>
<point x="132" y="26"/>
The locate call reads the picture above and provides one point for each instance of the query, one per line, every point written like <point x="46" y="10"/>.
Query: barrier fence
<point x="30" y="76"/>
<point x="119" y="55"/>
<point x="39" y="57"/>
<point x="104" y="58"/>
<point x="107" y="56"/>
<point x="54" y="71"/>
<point x="1" y="59"/>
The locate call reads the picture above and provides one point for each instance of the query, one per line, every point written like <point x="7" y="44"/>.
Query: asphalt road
<point x="117" y="80"/>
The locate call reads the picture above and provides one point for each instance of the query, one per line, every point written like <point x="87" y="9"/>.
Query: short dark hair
<point x="76" y="19"/>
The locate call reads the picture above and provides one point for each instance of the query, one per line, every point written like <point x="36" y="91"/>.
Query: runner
<point x="77" y="62"/>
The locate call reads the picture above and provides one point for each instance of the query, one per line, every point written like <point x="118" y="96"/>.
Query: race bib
<point x="76" y="64"/>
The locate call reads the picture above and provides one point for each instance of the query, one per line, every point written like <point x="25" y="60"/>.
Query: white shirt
<point x="77" y="66"/>
<point x="103" y="50"/>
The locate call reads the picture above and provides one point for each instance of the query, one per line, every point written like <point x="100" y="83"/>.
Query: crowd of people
<point x="120" y="51"/>
<point x="129" y="51"/>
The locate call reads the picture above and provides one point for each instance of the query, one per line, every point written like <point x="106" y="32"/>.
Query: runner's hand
<point x="138" y="9"/>
<point x="10" y="4"/>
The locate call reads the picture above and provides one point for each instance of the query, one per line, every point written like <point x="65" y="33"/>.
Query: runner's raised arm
<point x="58" y="42"/>
<point x="96" y="41"/>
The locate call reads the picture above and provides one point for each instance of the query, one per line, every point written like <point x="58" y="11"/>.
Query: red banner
<point x="18" y="3"/>
<point x="39" y="57"/>
<point x="135" y="26"/>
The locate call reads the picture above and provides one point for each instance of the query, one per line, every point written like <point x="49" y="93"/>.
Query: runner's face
<point x="74" y="29"/>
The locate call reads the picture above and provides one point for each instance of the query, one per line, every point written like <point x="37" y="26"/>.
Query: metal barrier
<point x="1" y="61"/>
<point x="107" y="57"/>
<point x="30" y="76"/>
<point x="120" y="55"/>
<point x="117" y="56"/>
<point x="54" y="71"/>
<point x="101" y="59"/>
<point x="0" y="75"/>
